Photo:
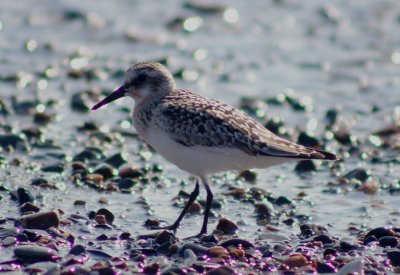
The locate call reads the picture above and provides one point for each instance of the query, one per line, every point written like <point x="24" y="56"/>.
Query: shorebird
<point x="200" y="135"/>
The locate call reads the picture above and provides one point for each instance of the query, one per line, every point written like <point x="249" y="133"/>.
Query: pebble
<point x="325" y="268"/>
<point x="218" y="252"/>
<point x="28" y="207"/>
<point x="126" y="183"/>
<point x="54" y="168"/>
<point x="22" y="195"/>
<point x="130" y="172"/>
<point x="197" y="249"/>
<point x="379" y="232"/>
<point x="394" y="257"/>
<point x="40" y="220"/>
<point x="117" y="160"/>
<point x="13" y="141"/>
<point x="100" y="219"/>
<point x="296" y="261"/>
<point x="107" y="214"/>
<point x="35" y="253"/>
<point x="80" y="202"/>
<point x="264" y="211"/>
<point x="107" y="171"/>
<point x="8" y="241"/>
<point x="42" y="118"/>
<point x="39" y="181"/>
<point x="164" y="236"/>
<point x="307" y="140"/>
<point x="248" y="176"/>
<point x="77" y="250"/>
<point x="386" y="241"/>
<point x="305" y="166"/>
<point x="227" y="226"/>
<point x="236" y="243"/>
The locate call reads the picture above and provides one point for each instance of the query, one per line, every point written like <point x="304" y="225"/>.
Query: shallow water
<point x="342" y="54"/>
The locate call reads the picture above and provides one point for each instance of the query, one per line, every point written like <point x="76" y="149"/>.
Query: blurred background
<point x="326" y="71"/>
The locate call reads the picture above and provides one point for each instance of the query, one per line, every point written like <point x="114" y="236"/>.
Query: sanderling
<point x="199" y="135"/>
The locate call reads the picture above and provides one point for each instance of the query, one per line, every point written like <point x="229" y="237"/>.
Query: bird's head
<point x="143" y="81"/>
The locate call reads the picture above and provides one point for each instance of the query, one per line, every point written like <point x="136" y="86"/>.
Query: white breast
<point x="204" y="160"/>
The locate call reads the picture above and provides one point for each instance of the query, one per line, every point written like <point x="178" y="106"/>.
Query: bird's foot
<point x="199" y="236"/>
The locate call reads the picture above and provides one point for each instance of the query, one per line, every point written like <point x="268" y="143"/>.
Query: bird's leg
<point x="208" y="206"/>
<point x="192" y="198"/>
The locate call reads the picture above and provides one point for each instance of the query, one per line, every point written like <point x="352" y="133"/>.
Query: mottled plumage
<point x="201" y="136"/>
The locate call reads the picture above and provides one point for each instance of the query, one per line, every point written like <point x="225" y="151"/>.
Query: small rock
<point x="380" y="232"/>
<point x="117" y="160"/>
<point x="80" y="202"/>
<point x="42" y="117"/>
<point x="8" y="141"/>
<point x="305" y="166"/>
<point x="248" y="175"/>
<point x="103" y="200"/>
<point x="237" y="242"/>
<point x="29" y="207"/>
<point x="130" y="172"/>
<point x="152" y="223"/>
<point x="325" y="268"/>
<point x="307" y="140"/>
<point x="218" y="252"/>
<point x="283" y="201"/>
<point x="54" y="168"/>
<point x="164" y="236"/>
<point x="394" y="257"/>
<point x="325" y="239"/>
<point x="40" y="220"/>
<point x="77" y="250"/>
<point x="227" y="226"/>
<point x="22" y="195"/>
<point x="388" y="241"/>
<point x="126" y="183"/>
<point x="8" y="241"/>
<point x="39" y="181"/>
<point x="125" y="236"/>
<point x="107" y="171"/>
<point x="194" y="208"/>
<point x="35" y="253"/>
<point x="95" y="178"/>
<point x="296" y="261"/>
<point x="100" y="219"/>
<point x="107" y="214"/>
<point x="264" y="211"/>
<point x="198" y="250"/>
<point x="346" y="247"/>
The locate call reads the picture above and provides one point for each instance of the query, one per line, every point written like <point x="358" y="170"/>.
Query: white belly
<point x="205" y="160"/>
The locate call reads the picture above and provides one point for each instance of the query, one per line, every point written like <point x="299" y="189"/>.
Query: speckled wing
<point x="191" y="119"/>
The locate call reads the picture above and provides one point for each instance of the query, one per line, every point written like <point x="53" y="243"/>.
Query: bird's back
<point x="191" y="119"/>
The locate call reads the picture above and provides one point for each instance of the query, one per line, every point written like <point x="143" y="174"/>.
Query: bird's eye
<point x="141" y="78"/>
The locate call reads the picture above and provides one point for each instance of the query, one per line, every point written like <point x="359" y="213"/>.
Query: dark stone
<point x="77" y="250"/>
<point x="117" y="160"/>
<point x="107" y="171"/>
<point x="102" y="237"/>
<point x="227" y="226"/>
<point x="248" y="175"/>
<point x="388" y="241"/>
<point x="305" y="166"/>
<point x="325" y="239"/>
<point x="24" y="196"/>
<point x="331" y="116"/>
<point x="34" y="253"/>
<point x="39" y="181"/>
<point x="125" y="236"/>
<point x="13" y="141"/>
<point x="237" y="242"/>
<point x="394" y="257"/>
<point x="40" y="220"/>
<point x="164" y="236"/>
<point x="98" y="254"/>
<point x="90" y="153"/>
<point x="307" y="140"/>
<point x="283" y="201"/>
<point x="263" y="211"/>
<point x="152" y="223"/>
<point x="54" y="168"/>
<point x="379" y="232"/>
<point x="325" y="268"/>
<point x="42" y="117"/>
<point x="29" y="207"/>
<point x="346" y="246"/>
<point x="330" y="252"/>
<point x="108" y="215"/>
<point x="370" y="239"/>
<point x="126" y="184"/>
